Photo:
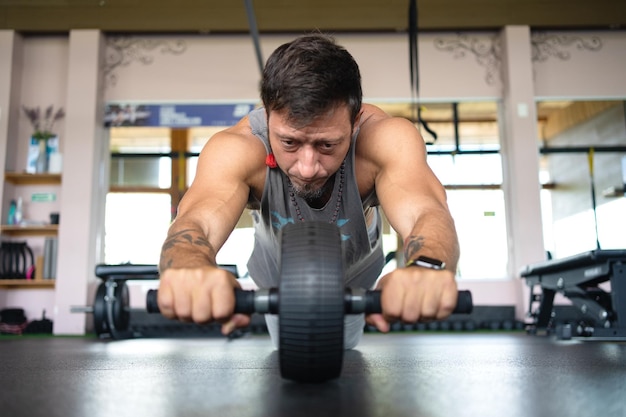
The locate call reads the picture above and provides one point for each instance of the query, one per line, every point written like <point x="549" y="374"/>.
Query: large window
<point x="142" y="193"/>
<point x="583" y="153"/>
<point x="151" y="168"/>
<point x="464" y="154"/>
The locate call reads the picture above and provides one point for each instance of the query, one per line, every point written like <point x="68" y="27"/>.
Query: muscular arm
<point x="213" y="204"/>
<point x="415" y="203"/>
<point x="192" y="288"/>
<point x="412" y="197"/>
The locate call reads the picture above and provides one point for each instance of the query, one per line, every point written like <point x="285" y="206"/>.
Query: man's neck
<point x="327" y="192"/>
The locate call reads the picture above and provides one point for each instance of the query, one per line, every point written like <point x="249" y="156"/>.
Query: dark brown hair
<point x="309" y="76"/>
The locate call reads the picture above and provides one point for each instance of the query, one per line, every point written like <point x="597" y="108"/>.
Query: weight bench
<point x="577" y="278"/>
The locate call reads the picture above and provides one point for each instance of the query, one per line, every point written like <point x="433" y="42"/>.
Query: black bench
<point x="578" y="278"/>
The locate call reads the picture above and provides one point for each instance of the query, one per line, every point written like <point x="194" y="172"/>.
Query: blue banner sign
<point x="175" y="115"/>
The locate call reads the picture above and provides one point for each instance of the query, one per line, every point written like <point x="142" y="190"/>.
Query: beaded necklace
<point x="333" y="219"/>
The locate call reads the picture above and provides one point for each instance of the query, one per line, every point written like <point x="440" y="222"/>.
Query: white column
<point x="520" y="156"/>
<point x="10" y="82"/>
<point x="84" y="183"/>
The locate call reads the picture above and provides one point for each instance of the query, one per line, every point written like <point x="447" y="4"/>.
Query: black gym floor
<point x="400" y="374"/>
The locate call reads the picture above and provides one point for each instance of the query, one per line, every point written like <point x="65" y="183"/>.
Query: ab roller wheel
<point x="311" y="302"/>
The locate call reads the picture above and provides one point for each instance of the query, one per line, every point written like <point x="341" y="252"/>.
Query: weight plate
<point x="311" y="302"/>
<point x="121" y="307"/>
<point x="100" y="322"/>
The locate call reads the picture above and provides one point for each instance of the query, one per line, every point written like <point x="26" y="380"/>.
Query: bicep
<point x="219" y="192"/>
<point x="406" y="186"/>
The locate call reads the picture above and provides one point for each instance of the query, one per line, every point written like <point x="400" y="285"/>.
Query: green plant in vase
<point x="43" y="124"/>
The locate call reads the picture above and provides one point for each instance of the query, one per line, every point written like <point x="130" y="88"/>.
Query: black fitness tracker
<point x="427" y="262"/>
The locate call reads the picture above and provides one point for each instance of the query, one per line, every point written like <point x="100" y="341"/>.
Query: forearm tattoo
<point x="184" y="237"/>
<point x="413" y="245"/>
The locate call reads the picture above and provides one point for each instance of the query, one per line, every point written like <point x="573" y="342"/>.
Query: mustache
<point x="309" y="191"/>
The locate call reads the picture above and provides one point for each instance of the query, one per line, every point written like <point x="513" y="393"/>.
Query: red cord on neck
<point x="270" y="161"/>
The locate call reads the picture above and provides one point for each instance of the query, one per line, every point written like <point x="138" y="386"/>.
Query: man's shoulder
<point x="378" y="127"/>
<point x="239" y="135"/>
<point x="382" y="138"/>
<point x="374" y="118"/>
<point x="238" y="145"/>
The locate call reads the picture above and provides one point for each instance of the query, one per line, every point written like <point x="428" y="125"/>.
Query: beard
<point x="310" y="192"/>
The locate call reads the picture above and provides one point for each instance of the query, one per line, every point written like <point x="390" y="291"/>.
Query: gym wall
<point x="213" y="68"/>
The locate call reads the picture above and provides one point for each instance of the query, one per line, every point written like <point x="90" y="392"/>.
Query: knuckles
<point x="198" y="295"/>
<point x="413" y="294"/>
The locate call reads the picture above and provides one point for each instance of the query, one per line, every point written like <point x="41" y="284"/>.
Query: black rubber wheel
<point x="100" y="321"/>
<point x="311" y="302"/>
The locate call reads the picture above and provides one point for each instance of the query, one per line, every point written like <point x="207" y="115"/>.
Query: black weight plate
<point x="100" y="321"/>
<point x="311" y="302"/>
<point x="121" y="307"/>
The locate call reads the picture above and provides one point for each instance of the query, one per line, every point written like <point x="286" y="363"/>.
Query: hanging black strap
<point x="414" y="68"/>
<point x="254" y="31"/>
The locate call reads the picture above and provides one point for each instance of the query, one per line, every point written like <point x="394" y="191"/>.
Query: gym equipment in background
<point x="578" y="277"/>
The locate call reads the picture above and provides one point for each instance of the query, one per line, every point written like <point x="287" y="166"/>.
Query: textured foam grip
<point x="464" y="304"/>
<point x="244" y="301"/>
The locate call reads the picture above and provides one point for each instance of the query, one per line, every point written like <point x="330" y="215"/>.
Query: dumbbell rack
<point x="578" y="278"/>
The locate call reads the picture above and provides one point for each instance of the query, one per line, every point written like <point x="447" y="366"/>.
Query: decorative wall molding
<point x="486" y="51"/>
<point x="545" y="45"/>
<point x="122" y="51"/>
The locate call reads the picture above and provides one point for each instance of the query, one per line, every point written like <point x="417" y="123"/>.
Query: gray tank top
<point x="362" y="245"/>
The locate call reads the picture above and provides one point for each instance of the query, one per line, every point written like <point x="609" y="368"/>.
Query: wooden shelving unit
<point x="22" y="178"/>
<point x="43" y="230"/>
<point x="26" y="283"/>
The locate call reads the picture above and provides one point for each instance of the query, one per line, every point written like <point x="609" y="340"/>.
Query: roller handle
<point x="464" y="304"/>
<point x="245" y="302"/>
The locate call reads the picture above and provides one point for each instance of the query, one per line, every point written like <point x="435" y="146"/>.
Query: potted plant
<point x="43" y="124"/>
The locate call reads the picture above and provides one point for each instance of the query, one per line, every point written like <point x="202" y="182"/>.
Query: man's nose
<point x="308" y="163"/>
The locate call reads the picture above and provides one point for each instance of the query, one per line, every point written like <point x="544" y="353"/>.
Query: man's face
<point x="310" y="154"/>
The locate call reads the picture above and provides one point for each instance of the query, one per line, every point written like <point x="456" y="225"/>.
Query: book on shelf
<point x="50" y="249"/>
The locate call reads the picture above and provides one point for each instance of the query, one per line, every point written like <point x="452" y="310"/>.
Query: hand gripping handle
<point x="266" y="301"/>
<point x="464" y="304"/>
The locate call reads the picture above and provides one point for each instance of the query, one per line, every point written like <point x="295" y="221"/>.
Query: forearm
<point x="186" y="246"/>
<point x="434" y="235"/>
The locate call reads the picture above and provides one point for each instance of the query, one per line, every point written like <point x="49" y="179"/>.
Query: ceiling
<point x="228" y="16"/>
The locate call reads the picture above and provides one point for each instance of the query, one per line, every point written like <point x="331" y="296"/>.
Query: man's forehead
<point x="336" y="115"/>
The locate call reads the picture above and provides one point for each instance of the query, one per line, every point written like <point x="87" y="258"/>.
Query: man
<point x="313" y="152"/>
